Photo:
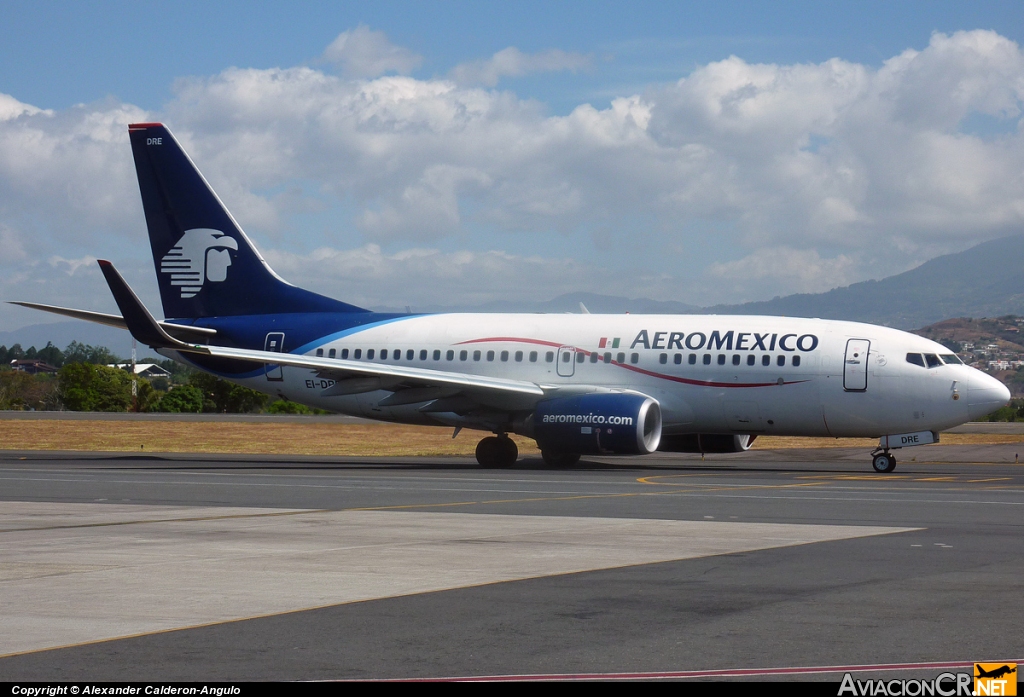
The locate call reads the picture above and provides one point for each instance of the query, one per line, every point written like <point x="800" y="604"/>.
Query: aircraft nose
<point x="985" y="394"/>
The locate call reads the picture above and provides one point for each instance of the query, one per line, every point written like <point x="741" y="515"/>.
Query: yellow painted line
<point x="936" y="479"/>
<point x="992" y="479"/>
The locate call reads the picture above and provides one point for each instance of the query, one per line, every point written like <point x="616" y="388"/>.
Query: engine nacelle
<point x="706" y="443"/>
<point x="620" y="423"/>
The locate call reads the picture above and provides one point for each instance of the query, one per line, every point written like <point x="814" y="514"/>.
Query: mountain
<point x="985" y="281"/>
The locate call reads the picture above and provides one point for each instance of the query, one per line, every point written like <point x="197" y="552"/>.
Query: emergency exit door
<point x="855" y="365"/>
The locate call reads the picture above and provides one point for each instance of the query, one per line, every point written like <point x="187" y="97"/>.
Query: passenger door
<point x="855" y="365"/>
<point x="275" y="343"/>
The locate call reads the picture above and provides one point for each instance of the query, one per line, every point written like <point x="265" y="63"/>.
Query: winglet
<point x="140" y="322"/>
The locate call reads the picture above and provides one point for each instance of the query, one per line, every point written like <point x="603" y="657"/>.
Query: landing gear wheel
<point x="883" y="463"/>
<point x="553" y="459"/>
<point x="497" y="451"/>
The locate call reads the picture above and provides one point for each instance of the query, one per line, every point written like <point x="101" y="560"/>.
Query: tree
<point x="19" y="390"/>
<point x="84" y="353"/>
<point x="51" y="354"/>
<point x="184" y="399"/>
<point x="87" y="387"/>
<point x="226" y="398"/>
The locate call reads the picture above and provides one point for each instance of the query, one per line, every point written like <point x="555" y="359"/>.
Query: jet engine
<point x="620" y="423"/>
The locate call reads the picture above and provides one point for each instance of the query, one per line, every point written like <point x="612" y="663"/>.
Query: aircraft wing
<point x="148" y="330"/>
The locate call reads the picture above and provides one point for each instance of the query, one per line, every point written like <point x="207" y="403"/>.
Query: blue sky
<point x="448" y="153"/>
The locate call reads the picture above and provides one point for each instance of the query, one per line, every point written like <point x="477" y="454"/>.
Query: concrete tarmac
<point x="121" y="567"/>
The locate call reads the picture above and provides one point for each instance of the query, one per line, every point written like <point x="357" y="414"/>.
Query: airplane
<point x="578" y="384"/>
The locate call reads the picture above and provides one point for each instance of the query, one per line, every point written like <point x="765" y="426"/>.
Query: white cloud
<point x="362" y="52"/>
<point x="511" y="62"/>
<point x="770" y="271"/>
<point x="367" y="276"/>
<point x="834" y="171"/>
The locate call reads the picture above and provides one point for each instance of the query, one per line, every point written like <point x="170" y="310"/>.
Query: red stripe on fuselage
<point x="651" y="373"/>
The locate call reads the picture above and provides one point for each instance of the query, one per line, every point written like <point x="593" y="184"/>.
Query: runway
<point x="120" y="567"/>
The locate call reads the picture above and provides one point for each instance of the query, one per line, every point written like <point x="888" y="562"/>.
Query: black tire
<point x="488" y="452"/>
<point x="553" y="459"/>
<point x="497" y="451"/>
<point x="883" y="463"/>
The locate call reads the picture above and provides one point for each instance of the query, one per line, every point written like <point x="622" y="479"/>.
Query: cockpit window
<point x="915" y="358"/>
<point x="933" y="360"/>
<point x="950" y="359"/>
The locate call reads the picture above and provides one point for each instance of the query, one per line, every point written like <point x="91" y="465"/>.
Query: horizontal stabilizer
<point x="176" y="330"/>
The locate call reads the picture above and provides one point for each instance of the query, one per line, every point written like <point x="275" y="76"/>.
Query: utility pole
<point x="135" y="382"/>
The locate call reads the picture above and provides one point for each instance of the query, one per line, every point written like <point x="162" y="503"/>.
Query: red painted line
<point x="650" y="373"/>
<point x="140" y="126"/>
<point x="720" y="673"/>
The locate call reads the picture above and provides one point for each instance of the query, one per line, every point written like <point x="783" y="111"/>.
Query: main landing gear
<point x="497" y="451"/>
<point x="883" y="461"/>
<point x="553" y="459"/>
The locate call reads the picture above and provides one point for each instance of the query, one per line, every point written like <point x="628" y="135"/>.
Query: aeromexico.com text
<point x="587" y="419"/>
<point x="730" y="341"/>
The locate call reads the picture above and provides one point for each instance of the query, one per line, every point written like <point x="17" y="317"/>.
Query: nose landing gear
<point x="497" y="451"/>
<point x="883" y="461"/>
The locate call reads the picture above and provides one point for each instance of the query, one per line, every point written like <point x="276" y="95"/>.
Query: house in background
<point x="144" y="370"/>
<point x="32" y="366"/>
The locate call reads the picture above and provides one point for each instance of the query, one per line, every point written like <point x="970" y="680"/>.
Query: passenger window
<point x="549" y="357"/>
<point x="319" y="353"/>
<point x="607" y="358"/>
<point x="750" y="359"/>
<point x="781" y="361"/>
<point x="950" y="359"/>
<point x="735" y="359"/>
<point x="410" y="354"/>
<point x="344" y="353"/>
<point x="450" y="355"/>
<point x="533" y="356"/>
<point x="383" y="354"/>
<point x="369" y="354"/>
<point x="707" y="359"/>
<point x="933" y="360"/>
<point x="358" y="353"/>
<point x="332" y="353"/>
<point x="721" y="359"/>
<point x="504" y="355"/>
<point x="566" y="357"/>
<point x="397" y="353"/>
<point x="915" y="358"/>
<point x="519" y="356"/>
<point x="476" y="355"/>
<point x="663" y="358"/>
<point x="766" y="360"/>
<point x="692" y="360"/>
<point x="580" y="356"/>
<point x="423" y="354"/>
<point x="594" y="357"/>
<point x="620" y="358"/>
<point x="678" y="358"/>
<point x="796" y="361"/>
<point x="463" y="355"/>
<point x="437" y="354"/>
<point x="490" y="355"/>
<point x="634" y="357"/>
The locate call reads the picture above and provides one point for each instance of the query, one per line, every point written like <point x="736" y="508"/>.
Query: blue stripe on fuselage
<point x="304" y="330"/>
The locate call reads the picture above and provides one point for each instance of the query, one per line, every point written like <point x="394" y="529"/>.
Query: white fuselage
<point x="710" y="373"/>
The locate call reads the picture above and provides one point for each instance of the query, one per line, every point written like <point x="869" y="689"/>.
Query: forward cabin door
<point x="275" y="343"/>
<point x="855" y="365"/>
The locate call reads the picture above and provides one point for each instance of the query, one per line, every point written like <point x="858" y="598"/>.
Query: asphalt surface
<point x="932" y="574"/>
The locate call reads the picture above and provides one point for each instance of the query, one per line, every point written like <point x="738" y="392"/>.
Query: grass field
<point x="359" y="440"/>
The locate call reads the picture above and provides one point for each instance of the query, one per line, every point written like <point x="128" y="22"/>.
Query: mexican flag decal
<point x="604" y="343"/>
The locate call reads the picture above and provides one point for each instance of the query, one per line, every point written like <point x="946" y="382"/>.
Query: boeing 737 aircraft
<point x="576" y="383"/>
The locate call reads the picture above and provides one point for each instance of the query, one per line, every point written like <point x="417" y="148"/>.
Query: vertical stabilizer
<point x="205" y="265"/>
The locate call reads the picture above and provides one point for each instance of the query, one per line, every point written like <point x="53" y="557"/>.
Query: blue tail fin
<point x="205" y="265"/>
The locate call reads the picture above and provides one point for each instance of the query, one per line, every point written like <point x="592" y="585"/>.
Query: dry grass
<point x="358" y="440"/>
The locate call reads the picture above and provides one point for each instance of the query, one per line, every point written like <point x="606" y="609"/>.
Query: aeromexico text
<point x="729" y="341"/>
